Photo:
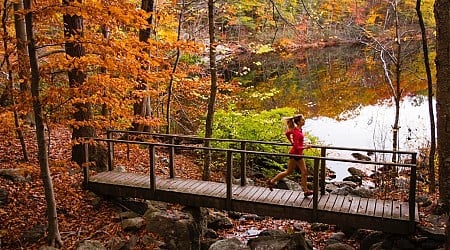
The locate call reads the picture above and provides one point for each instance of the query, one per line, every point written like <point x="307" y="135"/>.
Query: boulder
<point x="361" y="157"/>
<point x="363" y="192"/>
<point x="218" y="220"/>
<point x="34" y="234"/>
<point x="133" y="224"/>
<point x="280" y="241"/>
<point x="90" y="245"/>
<point x="179" y="230"/>
<point x="357" y="172"/>
<point x="16" y="174"/>
<point x="228" y="244"/>
<point x="371" y="239"/>
<point x="339" y="246"/>
<point x="353" y="178"/>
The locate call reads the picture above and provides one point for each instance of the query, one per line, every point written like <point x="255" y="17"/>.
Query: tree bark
<point x="24" y="73"/>
<point x="73" y="27"/>
<point x="397" y="92"/>
<point x="6" y="99"/>
<point x="106" y="112"/>
<point x="22" y="51"/>
<point x="53" y="237"/>
<point x="10" y="79"/>
<point x="213" y="90"/>
<point x="143" y="108"/>
<point x="442" y="17"/>
<point x="426" y="60"/>
<point x="174" y="69"/>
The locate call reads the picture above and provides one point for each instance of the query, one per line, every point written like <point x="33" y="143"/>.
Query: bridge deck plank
<point x="379" y="208"/>
<point x="279" y="203"/>
<point x="362" y="208"/>
<point x="371" y="206"/>
<point x="338" y="203"/>
<point x="405" y="210"/>
<point x="256" y="194"/>
<point x="291" y="201"/>
<point x="353" y="209"/>
<point x="264" y="195"/>
<point x="330" y="202"/>
<point x="346" y="203"/>
<point x="323" y="201"/>
<point x="387" y="209"/>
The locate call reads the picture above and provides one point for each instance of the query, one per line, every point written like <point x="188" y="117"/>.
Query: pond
<point x="371" y="129"/>
<point x="344" y="92"/>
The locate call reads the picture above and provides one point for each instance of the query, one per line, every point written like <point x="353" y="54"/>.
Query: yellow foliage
<point x="7" y="127"/>
<point x="372" y="18"/>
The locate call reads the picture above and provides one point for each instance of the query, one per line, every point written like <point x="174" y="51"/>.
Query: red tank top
<point x="296" y="137"/>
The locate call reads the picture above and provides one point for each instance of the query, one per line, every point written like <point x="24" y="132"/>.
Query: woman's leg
<point x="304" y="173"/>
<point x="291" y="166"/>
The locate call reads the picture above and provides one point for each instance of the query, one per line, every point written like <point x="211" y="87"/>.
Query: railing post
<point x="127" y="137"/>
<point x="86" y="165"/>
<point x="110" y="151"/>
<point x="229" y="179"/>
<point x="243" y="164"/>
<point x="172" y="158"/>
<point x="316" y="188"/>
<point x="323" y="152"/>
<point x="412" y="189"/>
<point x="207" y="159"/>
<point x="151" y="153"/>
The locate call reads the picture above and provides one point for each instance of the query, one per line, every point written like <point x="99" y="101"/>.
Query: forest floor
<point x="78" y="218"/>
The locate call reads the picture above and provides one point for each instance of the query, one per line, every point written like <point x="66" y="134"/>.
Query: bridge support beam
<point x="229" y="179"/>
<point x="316" y="188"/>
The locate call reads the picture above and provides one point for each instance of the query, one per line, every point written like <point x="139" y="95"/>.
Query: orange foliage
<point x="115" y="65"/>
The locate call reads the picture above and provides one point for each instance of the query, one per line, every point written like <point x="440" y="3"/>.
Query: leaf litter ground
<point x="81" y="215"/>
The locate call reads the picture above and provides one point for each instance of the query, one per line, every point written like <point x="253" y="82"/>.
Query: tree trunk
<point x="426" y="60"/>
<point x="397" y="92"/>
<point x="10" y="79"/>
<point x="6" y="99"/>
<point x="22" y="51"/>
<point x="73" y="27"/>
<point x="143" y="108"/>
<point x="213" y="90"/>
<point x="395" y="128"/>
<point x="24" y="73"/>
<point x="106" y="112"/>
<point x="174" y="69"/>
<point x="442" y="17"/>
<point x="53" y="236"/>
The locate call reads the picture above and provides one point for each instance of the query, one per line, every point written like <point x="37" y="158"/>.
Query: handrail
<point x="256" y="152"/>
<point x="258" y="142"/>
<point x="229" y="153"/>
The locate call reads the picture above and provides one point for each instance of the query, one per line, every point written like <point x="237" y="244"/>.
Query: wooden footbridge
<point x="394" y="216"/>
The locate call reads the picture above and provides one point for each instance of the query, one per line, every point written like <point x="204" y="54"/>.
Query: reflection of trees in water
<point x="334" y="82"/>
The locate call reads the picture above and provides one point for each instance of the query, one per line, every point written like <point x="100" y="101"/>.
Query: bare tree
<point x="395" y="56"/>
<point x="9" y="93"/>
<point x="426" y="60"/>
<point x="53" y="236"/>
<point x="213" y="89"/>
<point x="6" y="98"/>
<point x="392" y="56"/>
<point x="174" y="68"/>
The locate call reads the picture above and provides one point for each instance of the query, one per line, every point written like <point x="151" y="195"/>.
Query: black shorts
<point x="295" y="158"/>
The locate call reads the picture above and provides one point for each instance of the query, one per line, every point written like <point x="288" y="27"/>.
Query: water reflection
<point x="320" y="82"/>
<point x="342" y="88"/>
<point x="370" y="127"/>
